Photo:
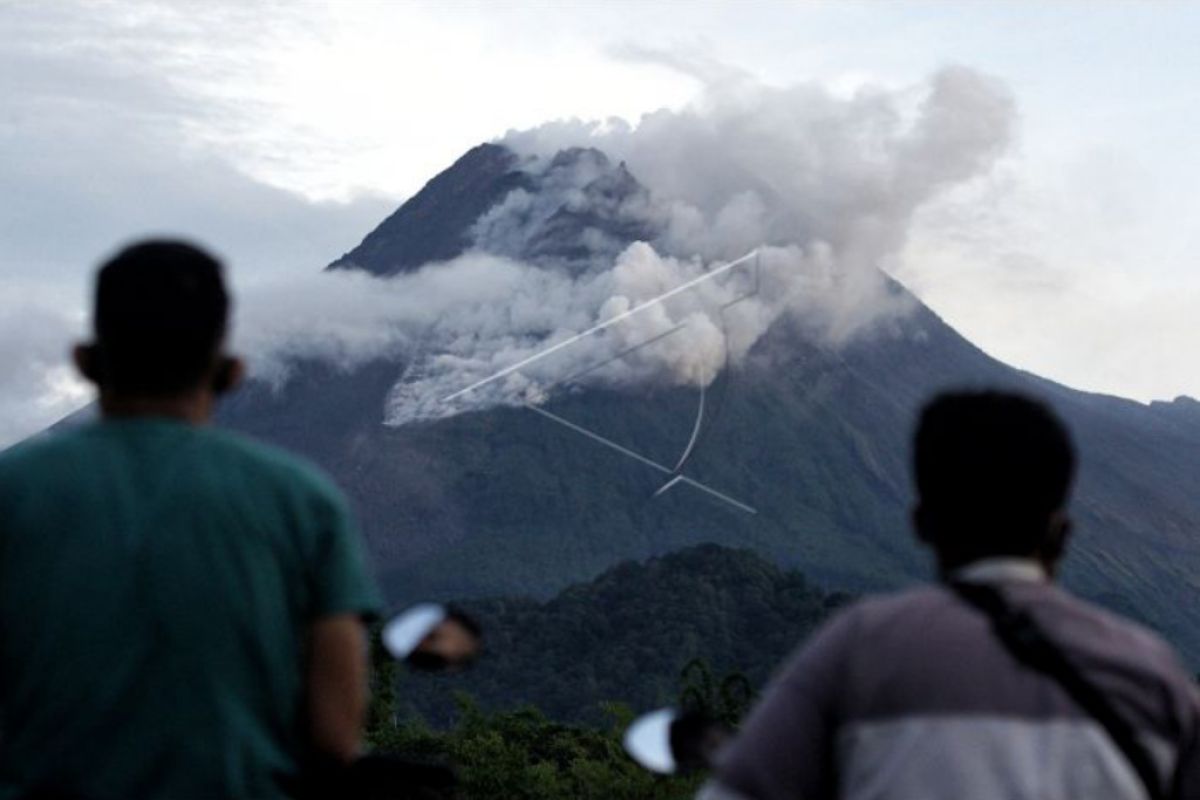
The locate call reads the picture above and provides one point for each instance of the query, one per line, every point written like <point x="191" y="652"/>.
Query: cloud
<point x="99" y="195"/>
<point x="98" y="152"/>
<point x="87" y="189"/>
<point x="695" y="61"/>
<point x="37" y="384"/>
<point x="1073" y="270"/>
<point x="113" y="124"/>
<point x="826" y="183"/>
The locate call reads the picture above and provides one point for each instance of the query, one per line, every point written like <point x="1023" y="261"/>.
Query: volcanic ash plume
<point x="609" y="216"/>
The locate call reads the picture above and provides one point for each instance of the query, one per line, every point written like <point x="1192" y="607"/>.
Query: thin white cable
<point x="683" y="287"/>
<point x="642" y="459"/>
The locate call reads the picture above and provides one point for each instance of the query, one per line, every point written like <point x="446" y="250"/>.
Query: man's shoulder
<point x="866" y="623"/>
<point x="922" y="617"/>
<point x="886" y="609"/>
<point x="1061" y="610"/>
<point x="266" y="462"/>
<point x="1079" y="621"/>
<point x="44" y="450"/>
<point x="233" y="456"/>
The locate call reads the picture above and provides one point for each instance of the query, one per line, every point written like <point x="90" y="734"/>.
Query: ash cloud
<point x="823" y="186"/>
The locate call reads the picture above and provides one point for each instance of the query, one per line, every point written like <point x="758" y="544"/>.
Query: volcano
<point x="813" y="437"/>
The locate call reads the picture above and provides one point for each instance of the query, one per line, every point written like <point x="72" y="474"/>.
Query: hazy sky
<point x="282" y="132"/>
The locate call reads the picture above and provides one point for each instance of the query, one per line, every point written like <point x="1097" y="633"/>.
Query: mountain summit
<point x="812" y="436"/>
<point x="569" y="211"/>
<point x="435" y="224"/>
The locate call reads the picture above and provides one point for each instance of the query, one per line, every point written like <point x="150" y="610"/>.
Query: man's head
<point x="993" y="472"/>
<point x="160" y="319"/>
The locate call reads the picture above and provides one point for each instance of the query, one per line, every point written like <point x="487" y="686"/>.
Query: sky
<point x="281" y="133"/>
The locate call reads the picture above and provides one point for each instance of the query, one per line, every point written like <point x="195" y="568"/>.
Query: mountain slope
<point x="506" y="502"/>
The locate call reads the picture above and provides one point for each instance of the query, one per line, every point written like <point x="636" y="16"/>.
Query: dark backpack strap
<point x="1026" y="641"/>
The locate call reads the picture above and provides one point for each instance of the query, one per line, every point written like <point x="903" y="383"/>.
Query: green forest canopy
<point x="626" y="636"/>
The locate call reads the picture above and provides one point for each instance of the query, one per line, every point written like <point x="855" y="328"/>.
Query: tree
<point x="726" y="701"/>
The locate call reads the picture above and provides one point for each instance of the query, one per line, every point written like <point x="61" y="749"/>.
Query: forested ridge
<point x="627" y="636"/>
<point x="541" y="714"/>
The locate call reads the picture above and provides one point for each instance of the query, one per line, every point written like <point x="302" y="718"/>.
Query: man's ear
<point x="229" y="373"/>
<point x="920" y="523"/>
<point x="1058" y="533"/>
<point x="87" y="361"/>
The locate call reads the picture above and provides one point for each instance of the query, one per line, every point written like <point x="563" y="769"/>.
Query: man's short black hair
<point x="991" y="470"/>
<point x="160" y="318"/>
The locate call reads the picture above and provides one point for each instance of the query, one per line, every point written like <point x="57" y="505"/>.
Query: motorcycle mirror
<point x="433" y="637"/>
<point x="671" y="742"/>
<point x="648" y="740"/>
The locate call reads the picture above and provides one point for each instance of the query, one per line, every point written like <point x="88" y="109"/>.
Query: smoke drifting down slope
<point x="605" y="216"/>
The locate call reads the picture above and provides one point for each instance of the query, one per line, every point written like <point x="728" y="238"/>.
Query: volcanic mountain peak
<point x="502" y="501"/>
<point x="434" y="224"/>
<point x="574" y="210"/>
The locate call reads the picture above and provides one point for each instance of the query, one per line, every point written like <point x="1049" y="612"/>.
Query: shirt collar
<point x="1002" y="569"/>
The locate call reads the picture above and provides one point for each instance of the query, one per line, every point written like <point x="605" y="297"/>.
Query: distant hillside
<point x="625" y="636"/>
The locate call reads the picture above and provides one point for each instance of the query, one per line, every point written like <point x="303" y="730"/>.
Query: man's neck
<point x="194" y="407"/>
<point x="1027" y="569"/>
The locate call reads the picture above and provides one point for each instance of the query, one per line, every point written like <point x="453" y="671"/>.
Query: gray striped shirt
<point x="913" y="696"/>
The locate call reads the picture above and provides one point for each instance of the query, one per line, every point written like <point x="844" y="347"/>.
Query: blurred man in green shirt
<point x="181" y="610"/>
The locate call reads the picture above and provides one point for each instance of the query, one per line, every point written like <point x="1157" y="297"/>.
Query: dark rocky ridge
<point x="438" y="223"/>
<point x="434" y="224"/>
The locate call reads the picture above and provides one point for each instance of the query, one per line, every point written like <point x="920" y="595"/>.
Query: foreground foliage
<point x="541" y="716"/>
<point x="525" y="756"/>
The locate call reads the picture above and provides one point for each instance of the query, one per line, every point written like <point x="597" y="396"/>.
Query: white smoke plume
<point x="823" y="186"/>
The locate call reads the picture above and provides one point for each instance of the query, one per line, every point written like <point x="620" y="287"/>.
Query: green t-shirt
<point x="157" y="580"/>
